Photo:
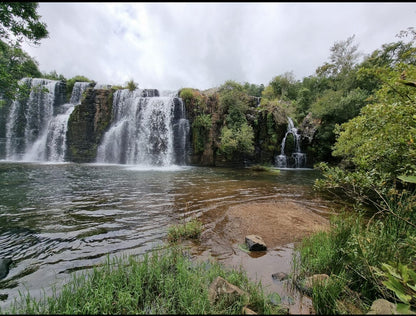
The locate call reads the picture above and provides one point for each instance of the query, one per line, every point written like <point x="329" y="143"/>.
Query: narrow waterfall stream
<point x="297" y="159"/>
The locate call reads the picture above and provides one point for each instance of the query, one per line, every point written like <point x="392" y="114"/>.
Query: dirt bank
<point x="281" y="224"/>
<point x="278" y="223"/>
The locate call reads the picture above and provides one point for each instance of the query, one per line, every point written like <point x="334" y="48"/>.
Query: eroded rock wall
<point x="87" y="124"/>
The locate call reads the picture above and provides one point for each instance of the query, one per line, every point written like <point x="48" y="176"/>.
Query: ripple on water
<point x="59" y="218"/>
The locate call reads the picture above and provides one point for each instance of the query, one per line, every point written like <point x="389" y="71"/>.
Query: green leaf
<point x="403" y="308"/>
<point x="398" y="289"/>
<point x="391" y="270"/>
<point x="410" y="179"/>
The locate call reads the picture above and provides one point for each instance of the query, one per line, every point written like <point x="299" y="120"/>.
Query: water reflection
<point x="59" y="218"/>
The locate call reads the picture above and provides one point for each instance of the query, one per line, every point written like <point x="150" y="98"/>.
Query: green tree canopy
<point x="14" y="65"/>
<point x="20" y="21"/>
<point x="378" y="146"/>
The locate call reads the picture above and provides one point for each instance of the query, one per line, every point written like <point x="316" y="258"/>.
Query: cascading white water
<point x="146" y="130"/>
<point x="297" y="158"/>
<point x="36" y="129"/>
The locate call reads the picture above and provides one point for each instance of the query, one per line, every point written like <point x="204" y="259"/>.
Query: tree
<point x="14" y="65"/>
<point x="283" y="87"/>
<point x="378" y="146"/>
<point x="19" y="21"/>
<point x="344" y="55"/>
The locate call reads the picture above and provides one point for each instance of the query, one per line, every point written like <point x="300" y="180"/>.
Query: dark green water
<point x="59" y="218"/>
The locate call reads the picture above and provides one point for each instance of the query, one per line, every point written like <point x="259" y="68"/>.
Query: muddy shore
<point x="281" y="224"/>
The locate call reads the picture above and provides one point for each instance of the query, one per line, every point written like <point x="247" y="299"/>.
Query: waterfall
<point x="147" y="129"/>
<point x="297" y="159"/>
<point x="37" y="126"/>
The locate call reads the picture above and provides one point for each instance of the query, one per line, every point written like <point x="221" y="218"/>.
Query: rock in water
<point x="255" y="243"/>
<point x="4" y="267"/>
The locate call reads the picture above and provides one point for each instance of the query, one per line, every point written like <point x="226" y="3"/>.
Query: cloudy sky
<point x="201" y="45"/>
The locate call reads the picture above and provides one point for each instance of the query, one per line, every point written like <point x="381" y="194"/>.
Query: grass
<point x="262" y="168"/>
<point x="165" y="281"/>
<point x="188" y="230"/>
<point x="354" y="249"/>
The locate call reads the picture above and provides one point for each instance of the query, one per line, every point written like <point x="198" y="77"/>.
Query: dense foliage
<point x="18" y="21"/>
<point x="372" y="254"/>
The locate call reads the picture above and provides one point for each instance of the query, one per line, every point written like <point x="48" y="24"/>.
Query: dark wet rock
<point x="4" y="267"/>
<point x="88" y="123"/>
<point x="280" y="276"/>
<point x="255" y="243"/>
<point x="3" y="297"/>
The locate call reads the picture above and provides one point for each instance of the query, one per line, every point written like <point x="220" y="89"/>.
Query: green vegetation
<point x="357" y="247"/>
<point x="236" y="134"/>
<point x="18" y="21"/>
<point x="131" y="85"/>
<point x="189" y="230"/>
<point x="71" y="82"/>
<point x="371" y="252"/>
<point x="162" y="282"/>
<point x="200" y="132"/>
<point x="261" y="168"/>
<point x="364" y="117"/>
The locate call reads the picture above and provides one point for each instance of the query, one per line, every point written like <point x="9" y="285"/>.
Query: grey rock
<point x="255" y="243"/>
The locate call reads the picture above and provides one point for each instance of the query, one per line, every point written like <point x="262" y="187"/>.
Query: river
<point x="64" y="217"/>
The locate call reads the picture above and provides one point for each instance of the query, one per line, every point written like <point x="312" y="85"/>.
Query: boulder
<point x="221" y="287"/>
<point x="255" y="243"/>
<point x="382" y="307"/>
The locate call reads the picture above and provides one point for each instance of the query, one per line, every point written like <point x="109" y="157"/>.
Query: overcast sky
<point x="201" y="45"/>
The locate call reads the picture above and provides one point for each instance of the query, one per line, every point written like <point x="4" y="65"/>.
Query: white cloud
<point x="201" y="45"/>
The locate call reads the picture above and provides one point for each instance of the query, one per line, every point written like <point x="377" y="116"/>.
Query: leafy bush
<point x="236" y="140"/>
<point x="401" y="280"/>
<point x="200" y="132"/>
<point x="131" y="85"/>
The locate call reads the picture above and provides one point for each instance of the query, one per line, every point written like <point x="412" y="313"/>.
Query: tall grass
<point x="187" y="230"/>
<point x="163" y="282"/>
<point x="356" y="246"/>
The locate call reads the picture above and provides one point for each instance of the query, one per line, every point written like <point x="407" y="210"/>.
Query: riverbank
<point x="281" y="224"/>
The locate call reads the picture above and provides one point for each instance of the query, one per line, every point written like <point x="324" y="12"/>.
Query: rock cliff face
<point x="308" y="129"/>
<point x="207" y="118"/>
<point x="87" y="124"/>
